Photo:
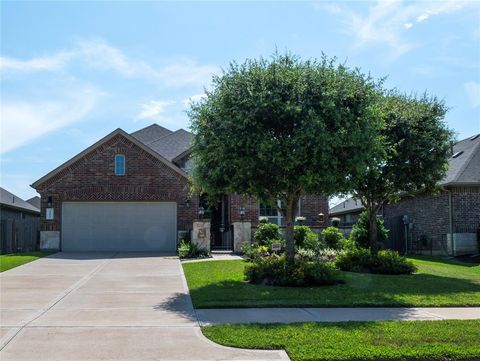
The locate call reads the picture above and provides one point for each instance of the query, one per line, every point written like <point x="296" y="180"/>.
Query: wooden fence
<point x="19" y="235"/>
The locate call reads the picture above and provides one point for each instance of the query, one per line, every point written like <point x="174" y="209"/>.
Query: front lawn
<point x="8" y="261"/>
<point x="342" y="341"/>
<point x="220" y="284"/>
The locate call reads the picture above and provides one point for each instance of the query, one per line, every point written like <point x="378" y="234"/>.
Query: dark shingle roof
<point x="34" y="201"/>
<point x="151" y="133"/>
<point x="11" y="200"/>
<point x="172" y="145"/>
<point x="350" y="205"/>
<point x="464" y="165"/>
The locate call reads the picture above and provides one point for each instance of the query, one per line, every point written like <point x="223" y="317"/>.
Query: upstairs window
<point x="119" y="164"/>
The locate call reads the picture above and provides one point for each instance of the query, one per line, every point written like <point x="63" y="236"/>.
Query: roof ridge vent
<point x="475" y="137"/>
<point x="457" y="154"/>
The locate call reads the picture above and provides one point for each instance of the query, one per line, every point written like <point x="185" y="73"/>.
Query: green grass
<point x="217" y="284"/>
<point x="8" y="261"/>
<point x="388" y="340"/>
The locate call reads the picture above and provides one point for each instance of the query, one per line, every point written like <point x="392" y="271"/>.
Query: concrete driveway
<point x="105" y="306"/>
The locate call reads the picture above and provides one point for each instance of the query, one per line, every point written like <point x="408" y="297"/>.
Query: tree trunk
<point x="290" y="209"/>
<point x="372" y="231"/>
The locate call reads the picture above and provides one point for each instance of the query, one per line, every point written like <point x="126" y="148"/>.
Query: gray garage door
<point x="119" y="226"/>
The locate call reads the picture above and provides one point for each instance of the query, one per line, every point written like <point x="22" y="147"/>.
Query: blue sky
<point x="71" y="72"/>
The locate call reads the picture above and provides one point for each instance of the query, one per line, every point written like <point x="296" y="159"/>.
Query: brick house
<point x="447" y="223"/>
<point x="131" y="192"/>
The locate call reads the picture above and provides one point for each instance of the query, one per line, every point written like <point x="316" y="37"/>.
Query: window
<point x="119" y="164"/>
<point x="273" y="215"/>
<point x="49" y="214"/>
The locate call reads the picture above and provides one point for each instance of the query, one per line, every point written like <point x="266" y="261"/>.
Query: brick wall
<point x="311" y="206"/>
<point x="92" y="178"/>
<point x="430" y="214"/>
<point x="466" y="209"/>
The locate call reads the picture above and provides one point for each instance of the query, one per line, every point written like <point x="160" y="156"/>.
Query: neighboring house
<point x="34" y="201"/>
<point x="131" y="192"/>
<point x="440" y="223"/>
<point x="347" y="212"/>
<point x="19" y="223"/>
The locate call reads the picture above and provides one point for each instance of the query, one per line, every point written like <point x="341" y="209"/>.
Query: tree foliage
<point x="412" y="157"/>
<point x="284" y="127"/>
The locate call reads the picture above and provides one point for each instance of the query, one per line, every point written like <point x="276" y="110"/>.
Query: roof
<point x="350" y="205"/>
<point x="11" y="200"/>
<point x="116" y="132"/>
<point x="151" y="133"/>
<point x="464" y="165"/>
<point x="34" y="201"/>
<point x="172" y="145"/>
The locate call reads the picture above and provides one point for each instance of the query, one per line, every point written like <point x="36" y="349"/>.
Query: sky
<point x="72" y="72"/>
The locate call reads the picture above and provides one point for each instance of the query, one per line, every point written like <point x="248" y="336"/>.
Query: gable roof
<point x="11" y="200"/>
<point x="116" y="132"/>
<point x="172" y="145"/>
<point x="34" y="201"/>
<point x="464" y="165"/>
<point x="350" y="205"/>
<point x="151" y="133"/>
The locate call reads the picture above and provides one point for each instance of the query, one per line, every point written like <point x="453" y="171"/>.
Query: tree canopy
<point x="414" y="147"/>
<point x="284" y="127"/>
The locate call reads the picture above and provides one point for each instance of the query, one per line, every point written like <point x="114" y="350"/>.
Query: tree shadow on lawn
<point x="445" y="260"/>
<point x="359" y="290"/>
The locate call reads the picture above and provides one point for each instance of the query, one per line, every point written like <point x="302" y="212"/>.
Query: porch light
<point x="201" y="212"/>
<point x="242" y="213"/>
<point x="188" y="203"/>
<point x="321" y="217"/>
<point x="49" y="201"/>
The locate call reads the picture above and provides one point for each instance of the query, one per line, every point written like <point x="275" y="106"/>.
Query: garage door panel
<point x="119" y="226"/>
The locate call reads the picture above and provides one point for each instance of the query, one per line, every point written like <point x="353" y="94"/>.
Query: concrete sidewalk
<point x="290" y="315"/>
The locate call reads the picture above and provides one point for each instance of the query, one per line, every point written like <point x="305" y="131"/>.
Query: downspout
<point x="450" y="220"/>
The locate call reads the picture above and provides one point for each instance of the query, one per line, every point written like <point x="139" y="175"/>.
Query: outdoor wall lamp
<point x="188" y="203"/>
<point x="201" y="212"/>
<point x="242" y="213"/>
<point x="321" y="217"/>
<point x="49" y="201"/>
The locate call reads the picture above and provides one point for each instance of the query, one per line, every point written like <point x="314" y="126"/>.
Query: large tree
<point x="412" y="157"/>
<point x="282" y="128"/>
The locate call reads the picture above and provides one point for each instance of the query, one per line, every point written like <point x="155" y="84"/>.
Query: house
<point x="446" y="223"/>
<point x="19" y="223"/>
<point x="34" y="201"/>
<point x="131" y="192"/>
<point x="347" y="212"/>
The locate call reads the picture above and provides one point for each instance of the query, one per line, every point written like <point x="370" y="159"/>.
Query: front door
<point x="221" y="229"/>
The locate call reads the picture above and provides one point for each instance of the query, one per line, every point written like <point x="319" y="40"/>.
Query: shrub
<point x="273" y="270"/>
<point x="321" y="255"/>
<point x="265" y="233"/>
<point x="385" y="262"/>
<point x="332" y="237"/>
<point x="191" y="250"/>
<point x="305" y="238"/>
<point x="360" y="231"/>
<point x="250" y="250"/>
<point x="389" y="262"/>
<point x="354" y="260"/>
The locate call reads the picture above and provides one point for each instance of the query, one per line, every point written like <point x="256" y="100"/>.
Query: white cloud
<point x="23" y="121"/>
<point x="53" y="62"/>
<point x="387" y="21"/>
<point x="193" y="99"/>
<point x="153" y="109"/>
<point x="472" y="89"/>
<point x="101" y="56"/>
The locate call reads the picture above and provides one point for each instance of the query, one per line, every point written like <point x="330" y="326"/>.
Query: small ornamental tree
<point x="415" y="145"/>
<point x="282" y="128"/>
